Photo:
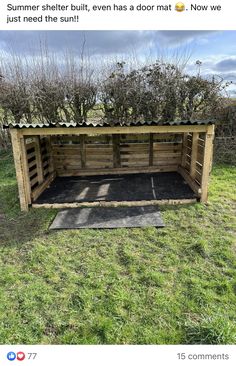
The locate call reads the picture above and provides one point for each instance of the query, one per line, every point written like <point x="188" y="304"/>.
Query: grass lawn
<point x="175" y="285"/>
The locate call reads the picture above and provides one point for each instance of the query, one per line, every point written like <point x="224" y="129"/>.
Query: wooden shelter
<point x="44" y="152"/>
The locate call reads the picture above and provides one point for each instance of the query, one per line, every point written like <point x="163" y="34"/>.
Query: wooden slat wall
<point x="74" y="154"/>
<point x="38" y="160"/>
<point x="46" y="156"/>
<point x="192" y="155"/>
<point x="134" y="151"/>
<point x="32" y="162"/>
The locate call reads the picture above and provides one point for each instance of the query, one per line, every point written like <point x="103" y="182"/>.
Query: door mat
<point x="108" y="217"/>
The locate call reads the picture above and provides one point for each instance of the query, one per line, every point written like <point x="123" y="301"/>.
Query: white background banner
<point x="117" y="15"/>
<point x="119" y="355"/>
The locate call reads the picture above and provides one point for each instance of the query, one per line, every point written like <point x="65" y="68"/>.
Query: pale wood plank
<point x="38" y="158"/>
<point x="194" y="154"/>
<point x="116" y="151"/>
<point x="112" y="130"/>
<point x="82" y="151"/>
<point x="17" y="154"/>
<point x="130" y="170"/>
<point x="184" y="149"/>
<point x="25" y="169"/>
<point x="208" y="151"/>
<point x="115" y="203"/>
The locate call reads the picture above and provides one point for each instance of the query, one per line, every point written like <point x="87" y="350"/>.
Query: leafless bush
<point x="48" y="95"/>
<point x="80" y="90"/>
<point x="47" y="90"/>
<point x="15" y="96"/>
<point x="159" y="92"/>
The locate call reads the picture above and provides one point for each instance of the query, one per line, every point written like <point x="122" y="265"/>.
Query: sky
<point x="215" y="49"/>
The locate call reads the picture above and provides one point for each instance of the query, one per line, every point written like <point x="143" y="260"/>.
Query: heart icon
<point x="20" y="356"/>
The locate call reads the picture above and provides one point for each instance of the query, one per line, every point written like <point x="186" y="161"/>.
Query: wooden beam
<point x="194" y="154"/>
<point x="49" y="149"/>
<point x="207" y="158"/>
<point x="25" y="169"/>
<point x="110" y="171"/>
<point x="18" y="160"/>
<point x="39" y="162"/>
<point x="184" y="149"/>
<point x="195" y="187"/>
<point x="82" y="152"/>
<point x="112" y="130"/>
<point x="115" y="203"/>
<point x="116" y="151"/>
<point x="150" y="149"/>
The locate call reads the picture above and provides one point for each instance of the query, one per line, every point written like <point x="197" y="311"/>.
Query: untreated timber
<point x="18" y="160"/>
<point x="115" y="203"/>
<point x="116" y="150"/>
<point x="38" y="157"/>
<point x="151" y="149"/>
<point x="111" y="130"/>
<point x="127" y="170"/>
<point x="25" y="168"/>
<point x="207" y="159"/>
<point x="194" y="154"/>
<point x="82" y="151"/>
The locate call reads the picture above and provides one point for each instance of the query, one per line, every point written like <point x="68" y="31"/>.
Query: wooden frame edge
<point x="114" y="203"/>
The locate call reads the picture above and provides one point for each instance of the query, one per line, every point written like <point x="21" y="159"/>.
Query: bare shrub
<point x="159" y="92"/>
<point x="80" y="89"/>
<point x="47" y="90"/>
<point x="15" y="96"/>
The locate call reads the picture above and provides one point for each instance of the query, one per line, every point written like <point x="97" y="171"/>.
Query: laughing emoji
<point x="180" y="7"/>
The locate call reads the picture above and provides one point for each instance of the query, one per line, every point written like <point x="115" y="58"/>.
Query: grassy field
<point x="125" y="286"/>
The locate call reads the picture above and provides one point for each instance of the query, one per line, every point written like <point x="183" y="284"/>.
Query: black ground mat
<point x="108" y="217"/>
<point x="130" y="187"/>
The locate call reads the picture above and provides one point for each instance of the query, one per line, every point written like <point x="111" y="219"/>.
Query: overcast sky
<point x="216" y="49"/>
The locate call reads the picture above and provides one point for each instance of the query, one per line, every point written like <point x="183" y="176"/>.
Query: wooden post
<point x="18" y="160"/>
<point x="82" y="151"/>
<point x="184" y="150"/>
<point x="116" y="150"/>
<point x="38" y="157"/>
<point x="207" y="157"/>
<point x="151" y="149"/>
<point x="50" y="159"/>
<point x="25" y="169"/>
<point x="194" y="154"/>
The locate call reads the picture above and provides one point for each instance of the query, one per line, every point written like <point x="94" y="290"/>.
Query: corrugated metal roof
<point x="105" y="123"/>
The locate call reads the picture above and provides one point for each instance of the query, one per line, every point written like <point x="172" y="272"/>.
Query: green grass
<point x="175" y="285"/>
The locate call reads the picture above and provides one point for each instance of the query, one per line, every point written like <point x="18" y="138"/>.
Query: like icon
<point x="11" y="356"/>
<point x="20" y="356"/>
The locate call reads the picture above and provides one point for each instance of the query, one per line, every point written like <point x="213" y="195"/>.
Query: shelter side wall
<point x="196" y="160"/>
<point x="39" y="164"/>
<point x="110" y="154"/>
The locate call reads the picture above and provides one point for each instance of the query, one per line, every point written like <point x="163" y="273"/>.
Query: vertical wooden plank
<point x="194" y="154"/>
<point x="38" y="157"/>
<point x="184" y="149"/>
<point x="83" y="151"/>
<point x="25" y="169"/>
<point x="207" y="157"/>
<point x="50" y="159"/>
<point x="116" y="151"/>
<point x="151" y="149"/>
<point x="18" y="160"/>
